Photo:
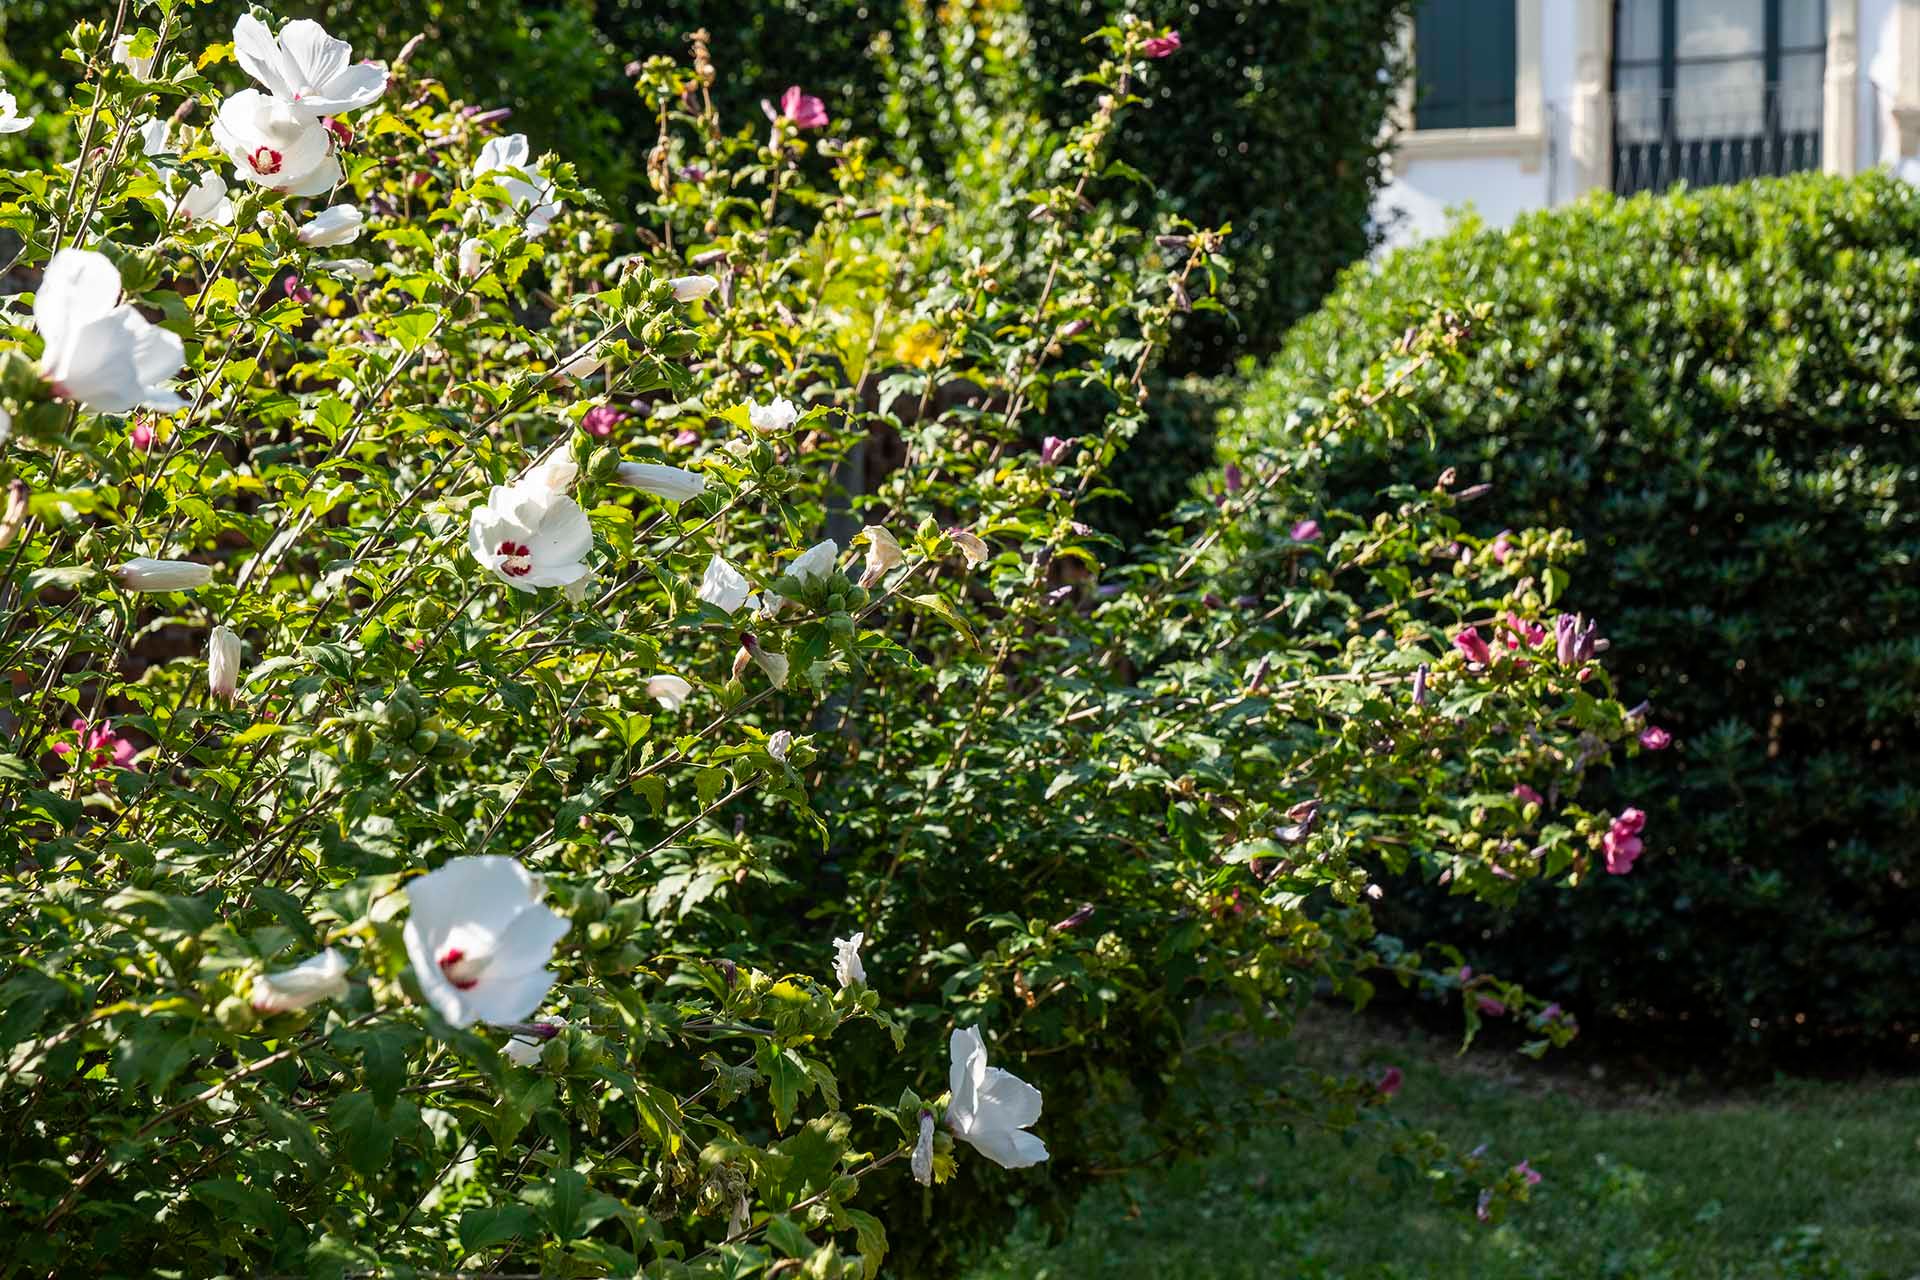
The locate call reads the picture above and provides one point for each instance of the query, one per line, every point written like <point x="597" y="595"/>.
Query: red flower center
<point x="462" y="976"/>
<point x="518" y="562"/>
<point x="265" y="160"/>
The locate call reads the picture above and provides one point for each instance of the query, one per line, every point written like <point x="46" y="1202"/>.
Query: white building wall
<point x="1500" y="174"/>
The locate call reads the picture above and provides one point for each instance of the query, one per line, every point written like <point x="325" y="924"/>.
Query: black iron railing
<point x="1709" y="140"/>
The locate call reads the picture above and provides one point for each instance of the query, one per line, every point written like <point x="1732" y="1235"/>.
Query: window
<point x="1463" y="59"/>
<point x="1713" y="91"/>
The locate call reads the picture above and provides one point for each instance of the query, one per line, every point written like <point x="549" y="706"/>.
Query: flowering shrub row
<point x="475" y="812"/>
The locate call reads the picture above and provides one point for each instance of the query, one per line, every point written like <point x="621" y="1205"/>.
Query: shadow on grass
<point x="1792" y="1181"/>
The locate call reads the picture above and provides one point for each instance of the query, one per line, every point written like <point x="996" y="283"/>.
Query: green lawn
<point x="1798" y="1180"/>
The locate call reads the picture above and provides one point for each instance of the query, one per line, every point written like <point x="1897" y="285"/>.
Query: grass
<point x="1797" y="1180"/>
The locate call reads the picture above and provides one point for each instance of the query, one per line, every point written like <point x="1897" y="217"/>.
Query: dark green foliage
<point x="560" y="75"/>
<point x="1716" y="390"/>
<point x="1267" y="118"/>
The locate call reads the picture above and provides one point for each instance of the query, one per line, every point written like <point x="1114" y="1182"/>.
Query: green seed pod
<point x="235" y="1014"/>
<point x="428" y="613"/>
<point x="399" y="718"/>
<point x="857" y="597"/>
<point x="602" y="464"/>
<point x="424" y="741"/>
<point x="840" y="626"/>
<point x="837" y="602"/>
<point x="359" y="745"/>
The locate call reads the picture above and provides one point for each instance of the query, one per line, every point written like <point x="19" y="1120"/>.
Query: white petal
<point x="310" y="56"/>
<point x="778" y="416"/>
<point x="672" y="483"/>
<point x="724" y="587"/>
<point x="258" y="54"/>
<point x="223" y="662"/>
<point x="967" y="1057"/>
<point x="669" y="691"/>
<point x="564" y="536"/>
<point x="510" y="999"/>
<point x="78" y="287"/>
<point x="846" y="964"/>
<point x="1008" y="1148"/>
<point x="692" y="288"/>
<point x="357" y="86"/>
<point x="324" y="977"/>
<point x="484" y="890"/>
<point x="1007" y="1101"/>
<point x="816" y="562"/>
<point x="331" y="227"/>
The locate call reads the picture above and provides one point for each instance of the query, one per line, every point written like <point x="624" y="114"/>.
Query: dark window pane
<point x="1721" y="28"/>
<point x="1639" y="38"/>
<point x="1711" y="91"/>
<point x="1464" y="60"/>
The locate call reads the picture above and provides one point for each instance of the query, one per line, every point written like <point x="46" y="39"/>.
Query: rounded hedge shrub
<point x="1717" y="391"/>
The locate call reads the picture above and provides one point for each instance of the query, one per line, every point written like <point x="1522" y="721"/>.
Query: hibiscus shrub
<point x="1714" y="389"/>
<point x="466" y="809"/>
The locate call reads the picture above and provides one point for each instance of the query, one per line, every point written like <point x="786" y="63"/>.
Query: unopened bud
<point x="15" y="514"/>
<point x="1074" y="921"/>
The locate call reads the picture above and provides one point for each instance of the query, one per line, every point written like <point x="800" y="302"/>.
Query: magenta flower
<point x="1390" y="1082"/>
<point x="602" y="419"/>
<point x="1527" y="795"/>
<point x="1622" y="843"/>
<point x="686" y="438"/>
<point x="1052" y="449"/>
<point x="1528" y="1172"/>
<point x="1162" y="46"/>
<point x="295" y="290"/>
<point x="1490" y="1007"/>
<point x="1305" y="531"/>
<point x="1654" y="738"/>
<point x="105" y="746"/>
<point x="1232" y="477"/>
<point x="799" y="108"/>
<point x="1502" y="547"/>
<point x="141" y="437"/>
<point x="340" y="128"/>
<point x="1470" y="643"/>
<point x="1521" y="632"/>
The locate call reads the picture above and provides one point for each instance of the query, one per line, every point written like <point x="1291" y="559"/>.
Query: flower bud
<point x="692" y="288"/>
<point x="144" y="573"/>
<point x="15" y="514"/>
<point x="223" y="663"/>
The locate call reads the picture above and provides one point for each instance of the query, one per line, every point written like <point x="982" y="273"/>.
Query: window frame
<point x="1525" y="140"/>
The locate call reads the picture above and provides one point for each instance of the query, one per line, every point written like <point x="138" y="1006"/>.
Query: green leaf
<point x="940" y="608"/>
<point x="364" y="1132"/>
<point x="494" y="1224"/>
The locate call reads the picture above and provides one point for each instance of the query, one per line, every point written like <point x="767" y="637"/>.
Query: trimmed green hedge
<point x="1720" y="391"/>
